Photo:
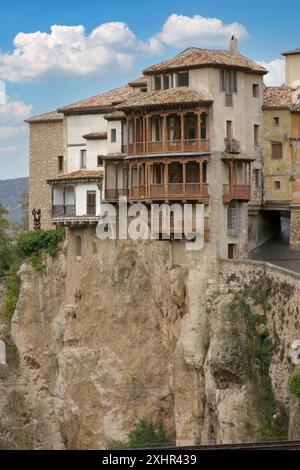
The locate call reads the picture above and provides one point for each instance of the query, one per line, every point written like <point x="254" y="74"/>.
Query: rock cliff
<point x="130" y="331"/>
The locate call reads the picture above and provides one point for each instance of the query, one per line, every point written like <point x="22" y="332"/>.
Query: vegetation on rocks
<point x="145" y="434"/>
<point x="32" y="245"/>
<point x="295" y="383"/>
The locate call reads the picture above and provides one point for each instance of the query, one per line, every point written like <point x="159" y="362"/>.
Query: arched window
<point x="78" y="247"/>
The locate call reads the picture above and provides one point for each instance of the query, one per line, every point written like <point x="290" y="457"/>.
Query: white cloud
<point x="10" y="131"/>
<point x="183" y="31"/>
<point x="13" y="113"/>
<point x="9" y="149"/>
<point x="68" y="50"/>
<point x="276" y="75"/>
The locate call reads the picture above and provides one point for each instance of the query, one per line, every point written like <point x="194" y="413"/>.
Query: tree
<point x="24" y="204"/>
<point x="5" y="245"/>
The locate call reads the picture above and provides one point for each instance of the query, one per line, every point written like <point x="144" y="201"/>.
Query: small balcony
<point x="236" y="192"/>
<point x="232" y="146"/>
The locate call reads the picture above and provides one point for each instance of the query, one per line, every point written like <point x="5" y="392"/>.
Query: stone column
<point x="295" y="228"/>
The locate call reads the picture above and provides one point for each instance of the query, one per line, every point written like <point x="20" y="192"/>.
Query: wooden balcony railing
<point x="115" y="194"/>
<point x="63" y="209"/>
<point x="168" y="146"/>
<point x="238" y="192"/>
<point x="192" y="191"/>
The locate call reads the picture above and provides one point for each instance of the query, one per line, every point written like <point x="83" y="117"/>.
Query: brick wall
<point x="45" y="144"/>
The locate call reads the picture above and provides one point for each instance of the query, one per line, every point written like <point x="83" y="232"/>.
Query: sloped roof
<point x="95" y="136"/>
<point x="173" y="97"/>
<point x="292" y="52"/>
<point x="279" y="98"/>
<point x="114" y="116"/>
<point x="194" y="57"/>
<point x="138" y="82"/>
<point x="79" y="175"/>
<point x="53" y="116"/>
<point x="101" y="103"/>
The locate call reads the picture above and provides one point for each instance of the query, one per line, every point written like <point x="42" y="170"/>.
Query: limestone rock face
<point x="132" y="330"/>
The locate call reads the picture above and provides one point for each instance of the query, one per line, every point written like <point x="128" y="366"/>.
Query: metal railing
<point x="63" y="209"/>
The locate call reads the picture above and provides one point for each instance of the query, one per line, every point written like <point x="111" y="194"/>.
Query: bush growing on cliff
<point x="145" y="434"/>
<point x="33" y="244"/>
<point x="295" y="383"/>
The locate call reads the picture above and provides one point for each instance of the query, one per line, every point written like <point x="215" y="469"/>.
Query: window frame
<point x="82" y="159"/>
<point x="255" y="90"/>
<point x="273" y="156"/>
<point x="181" y="74"/>
<point x="113" y="135"/>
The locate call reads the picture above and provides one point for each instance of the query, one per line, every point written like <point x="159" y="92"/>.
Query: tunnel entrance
<point x="276" y="250"/>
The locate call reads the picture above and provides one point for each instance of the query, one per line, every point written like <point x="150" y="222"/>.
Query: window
<point x="255" y="90"/>
<point x="231" y="250"/>
<point x="99" y="160"/>
<point x="82" y="158"/>
<point x="190" y="126"/>
<point x="233" y="220"/>
<point x="113" y="136"/>
<point x="167" y="81"/>
<point x="276" y="150"/>
<point x="156" y="128"/>
<point x="78" y="248"/>
<point x="183" y="79"/>
<point x="60" y="160"/>
<point x="256" y="135"/>
<point x="276" y="121"/>
<point x="229" y="134"/>
<point x="228" y="81"/>
<point x="157" y="82"/>
<point x="277" y="184"/>
<point x="91" y="202"/>
<point x="203" y="126"/>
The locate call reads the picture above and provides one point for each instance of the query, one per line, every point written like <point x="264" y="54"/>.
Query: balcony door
<point x="91" y="203"/>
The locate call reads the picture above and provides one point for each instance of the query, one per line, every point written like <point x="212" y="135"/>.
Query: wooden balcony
<point x="169" y="146"/>
<point x="236" y="192"/>
<point x="171" y="191"/>
<point x="115" y="194"/>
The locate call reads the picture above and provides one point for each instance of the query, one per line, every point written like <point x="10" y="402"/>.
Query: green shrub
<point x="33" y="244"/>
<point x="145" y="434"/>
<point x="295" y="383"/>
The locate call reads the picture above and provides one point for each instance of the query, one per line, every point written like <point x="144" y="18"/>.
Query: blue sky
<point x="48" y="69"/>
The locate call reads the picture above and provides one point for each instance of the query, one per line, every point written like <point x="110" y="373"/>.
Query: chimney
<point x="233" y="45"/>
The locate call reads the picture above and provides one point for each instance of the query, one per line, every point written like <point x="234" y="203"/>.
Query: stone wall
<point x="295" y="229"/>
<point x="46" y="144"/>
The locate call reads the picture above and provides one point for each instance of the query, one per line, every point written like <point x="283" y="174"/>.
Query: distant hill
<point x="10" y="191"/>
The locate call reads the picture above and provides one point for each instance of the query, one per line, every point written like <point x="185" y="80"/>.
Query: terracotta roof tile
<point x="52" y="116"/>
<point x="173" y="97"/>
<point x="95" y="136"/>
<point x="279" y="97"/>
<point x="78" y="175"/>
<point x="140" y="82"/>
<point x="101" y="103"/>
<point x="115" y="116"/>
<point x="194" y="57"/>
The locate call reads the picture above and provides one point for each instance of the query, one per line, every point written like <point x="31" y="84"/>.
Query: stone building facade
<point x="281" y="112"/>
<point x="46" y="160"/>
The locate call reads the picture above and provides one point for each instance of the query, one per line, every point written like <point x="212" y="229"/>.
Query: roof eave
<point x="201" y="66"/>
